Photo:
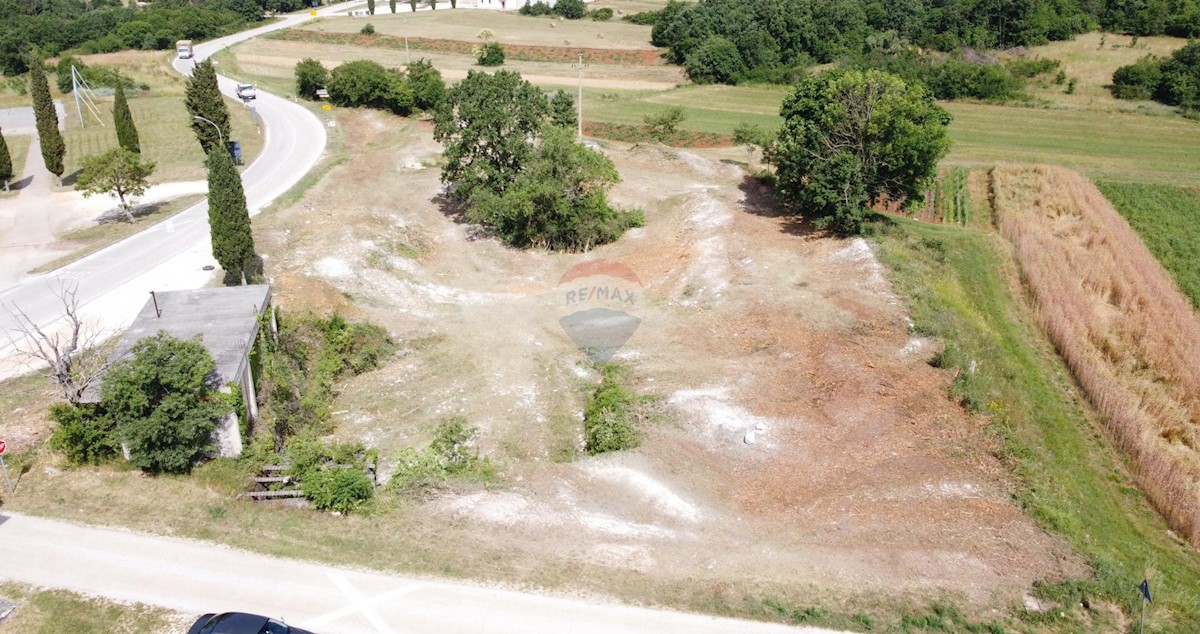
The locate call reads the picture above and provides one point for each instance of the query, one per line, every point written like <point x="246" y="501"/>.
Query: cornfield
<point x="1127" y="333"/>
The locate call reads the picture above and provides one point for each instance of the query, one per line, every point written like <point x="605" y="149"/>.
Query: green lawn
<point x="166" y="136"/>
<point x="58" y="611"/>
<point x="1168" y="220"/>
<point x="18" y="150"/>
<point x="957" y="282"/>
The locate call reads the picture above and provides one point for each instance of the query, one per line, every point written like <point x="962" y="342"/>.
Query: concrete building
<point x="227" y="321"/>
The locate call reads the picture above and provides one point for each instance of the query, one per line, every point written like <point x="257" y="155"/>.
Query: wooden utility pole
<point x="579" y="96"/>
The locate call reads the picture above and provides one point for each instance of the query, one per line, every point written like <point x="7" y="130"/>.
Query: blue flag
<point x="1145" y="588"/>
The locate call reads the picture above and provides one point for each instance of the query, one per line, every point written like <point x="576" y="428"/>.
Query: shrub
<point x="340" y="489"/>
<point x="1028" y="68"/>
<point x="452" y="455"/>
<point x="608" y="420"/>
<point x="368" y="29"/>
<point x="570" y="9"/>
<point x="602" y="15"/>
<point x="429" y="89"/>
<point x="367" y="83"/>
<point x="664" y="124"/>
<point x="536" y="9"/>
<point x="490" y="54"/>
<point x="643" y="18"/>
<point x="311" y="76"/>
<point x="716" y="61"/>
<point x="84" y="435"/>
<point x="1137" y="80"/>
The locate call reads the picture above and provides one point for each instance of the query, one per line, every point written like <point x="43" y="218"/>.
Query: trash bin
<point x="235" y="150"/>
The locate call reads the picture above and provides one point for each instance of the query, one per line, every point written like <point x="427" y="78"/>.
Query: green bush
<point x="602" y="15"/>
<point x="490" y="54"/>
<point x="716" y="61"/>
<point x="1028" y="68"/>
<point x="341" y="489"/>
<point x="1137" y="80"/>
<point x="536" y="9"/>
<point x="429" y="89"/>
<point x="452" y="455"/>
<point x="643" y="18"/>
<point x="570" y="9"/>
<point x="368" y="29"/>
<point x="84" y="435"/>
<point x="608" y="420"/>
<point x="367" y="83"/>
<point x="311" y="76"/>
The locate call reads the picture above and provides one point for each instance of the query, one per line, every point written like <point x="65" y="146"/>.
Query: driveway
<point x="197" y="577"/>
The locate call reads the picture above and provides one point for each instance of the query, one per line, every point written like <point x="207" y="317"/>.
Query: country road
<point x="114" y="283"/>
<point x="197" y="577"/>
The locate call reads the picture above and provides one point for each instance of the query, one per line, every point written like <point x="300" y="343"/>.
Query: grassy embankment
<point x="18" y="150"/>
<point x="1168" y="221"/>
<point x="961" y="288"/>
<point x="59" y="611"/>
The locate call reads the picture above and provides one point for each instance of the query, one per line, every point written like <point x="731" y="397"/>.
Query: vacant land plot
<point x="164" y="128"/>
<point x="58" y="611"/>
<point x="1127" y="333"/>
<point x="1168" y="220"/>
<point x="802" y="461"/>
<point x="509" y="28"/>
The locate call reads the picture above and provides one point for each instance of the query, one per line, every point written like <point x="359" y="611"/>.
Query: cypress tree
<point x="6" y="169"/>
<point x="203" y="99"/>
<point x="229" y="220"/>
<point x="127" y="134"/>
<point x="53" y="149"/>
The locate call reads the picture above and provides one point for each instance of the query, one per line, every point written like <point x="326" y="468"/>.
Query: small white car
<point x="246" y="92"/>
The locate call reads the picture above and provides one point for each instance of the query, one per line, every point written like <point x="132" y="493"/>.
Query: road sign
<point x="2" y="447"/>
<point x="326" y="107"/>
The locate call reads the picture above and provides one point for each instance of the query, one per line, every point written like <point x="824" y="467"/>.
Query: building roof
<point x="225" y="318"/>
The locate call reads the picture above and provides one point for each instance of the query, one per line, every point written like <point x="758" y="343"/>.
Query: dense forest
<point x="770" y="40"/>
<point x="101" y="26"/>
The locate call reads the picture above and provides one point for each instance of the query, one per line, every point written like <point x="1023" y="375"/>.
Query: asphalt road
<point x="177" y="249"/>
<point x="197" y="577"/>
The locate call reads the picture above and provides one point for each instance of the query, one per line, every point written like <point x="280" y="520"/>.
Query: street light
<point x="215" y="126"/>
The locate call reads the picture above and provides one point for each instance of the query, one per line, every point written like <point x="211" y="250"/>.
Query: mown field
<point x="1168" y="220"/>
<point x="164" y="128"/>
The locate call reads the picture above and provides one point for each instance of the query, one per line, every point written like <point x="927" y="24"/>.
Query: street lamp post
<point x="215" y="127"/>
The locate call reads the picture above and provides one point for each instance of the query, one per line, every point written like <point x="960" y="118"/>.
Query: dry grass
<point x="1091" y="58"/>
<point x="1126" y="331"/>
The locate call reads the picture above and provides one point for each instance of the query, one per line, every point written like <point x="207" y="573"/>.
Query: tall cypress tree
<point x="127" y="134"/>
<point x="6" y="169"/>
<point x="229" y="220"/>
<point x="53" y="149"/>
<point x="203" y="99"/>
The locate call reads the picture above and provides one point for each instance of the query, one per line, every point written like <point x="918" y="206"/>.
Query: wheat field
<point x="1124" y="328"/>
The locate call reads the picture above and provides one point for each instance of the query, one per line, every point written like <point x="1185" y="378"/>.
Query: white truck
<point x="246" y="92"/>
<point x="184" y="49"/>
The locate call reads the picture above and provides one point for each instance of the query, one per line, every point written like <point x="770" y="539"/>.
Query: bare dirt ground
<point x="800" y="437"/>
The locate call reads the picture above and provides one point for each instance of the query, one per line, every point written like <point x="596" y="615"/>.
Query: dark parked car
<point x="241" y="623"/>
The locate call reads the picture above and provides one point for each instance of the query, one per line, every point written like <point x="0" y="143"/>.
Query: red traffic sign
<point x="2" y="447"/>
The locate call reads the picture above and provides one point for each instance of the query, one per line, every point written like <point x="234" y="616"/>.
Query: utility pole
<point x="579" y="97"/>
<point x="407" y="55"/>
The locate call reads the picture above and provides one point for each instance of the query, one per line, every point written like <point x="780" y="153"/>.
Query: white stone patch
<point x="659" y="495"/>
<point x="331" y="267"/>
<point x="711" y="406"/>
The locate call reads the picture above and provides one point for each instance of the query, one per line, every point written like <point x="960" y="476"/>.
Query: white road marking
<point x="360" y="604"/>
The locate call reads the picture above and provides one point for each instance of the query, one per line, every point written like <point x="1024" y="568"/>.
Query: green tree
<point x="311" y="76"/>
<point x="753" y="137"/>
<point x="164" y="403"/>
<point x="490" y="54"/>
<point x="570" y="9"/>
<point x="852" y="138"/>
<point x="412" y="4"/>
<point x="487" y="125"/>
<point x="557" y="201"/>
<point x="119" y="173"/>
<point x="428" y="87"/>
<point x="53" y="148"/>
<point x="203" y="99"/>
<point x="6" y="166"/>
<point x="716" y="61"/>
<point x="366" y="83"/>
<point x="562" y="110"/>
<point x="127" y="134"/>
<point x="229" y="221"/>
<point x="392" y="5"/>
<point x="664" y="125"/>
<point x="371" y="7"/>
<point x="62" y="72"/>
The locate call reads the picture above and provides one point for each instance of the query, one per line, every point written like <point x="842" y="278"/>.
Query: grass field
<point x="509" y="28"/>
<point x="95" y="237"/>
<point x="958" y="285"/>
<point x="166" y="136"/>
<point x="58" y="611"/>
<point x="1168" y="221"/>
<point x="18" y="151"/>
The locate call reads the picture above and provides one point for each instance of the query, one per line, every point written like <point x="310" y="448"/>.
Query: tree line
<point x="1174" y="80"/>
<point x="773" y="41"/>
<point x="103" y="26"/>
